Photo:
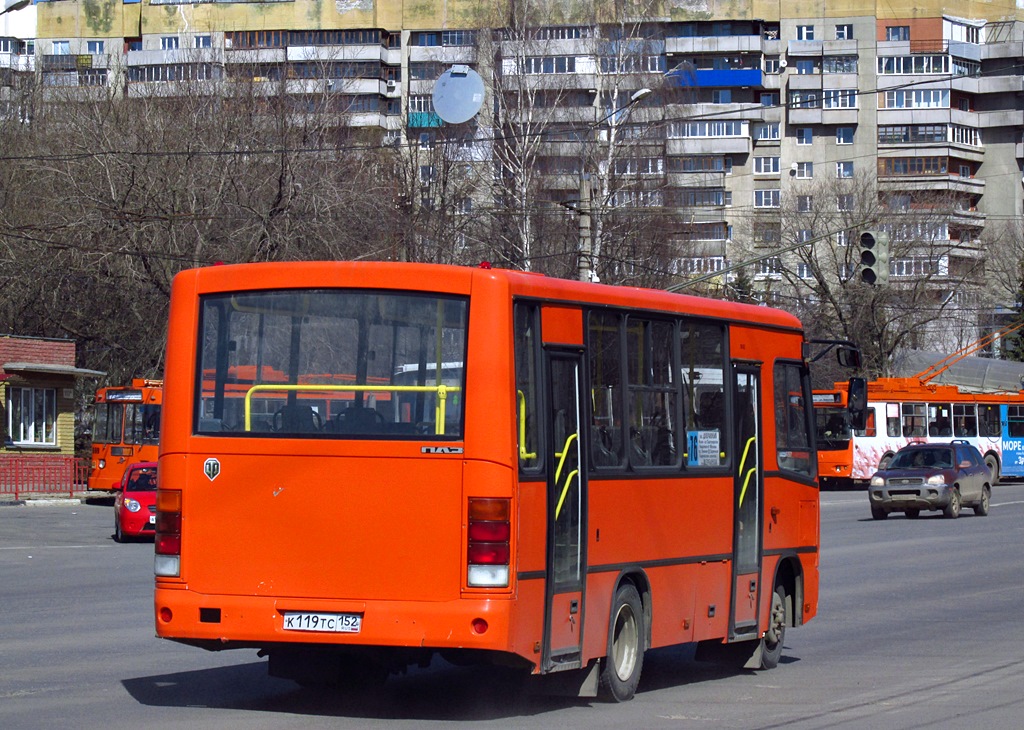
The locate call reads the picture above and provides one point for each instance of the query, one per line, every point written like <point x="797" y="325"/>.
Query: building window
<point x="94" y="48"/>
<point x="844" y="202"/>
<point x="804" y="271"/>
<point x="203" y="41"/>
<point x="538" y="65"/>
<point x="916" y="99"/>
<point x="32" y="416"/>
<point x="721" y="96"/>
<point x="766" y="165"/>
<point x="765" y="132"/>
<point x="805" y="170"/>
<point x="771" y="64"/>
<point x="804" y="99"/>
<point x="766" y="198"/>
<point x="62" y="48"/>
<point x="840" y="99"/>
<point x="920" y="64"/>
<point x="169" y="43"/>
<point x="897" y="32"/>
<point x="839" y="65"/>
<point x="805" y="32"/>
<point x="458" y="38"/>
<point x="805" y="66"/>
<point x="804" y="235"/>
<point x="770" y="266"/>
<point x="804" y="203"/>
<point x="844" y="169"/>
<point x="844" y="135"/>
<point x="804" y="135"/>
<point x="844" y="32"/>
<point x="769" y="98"/>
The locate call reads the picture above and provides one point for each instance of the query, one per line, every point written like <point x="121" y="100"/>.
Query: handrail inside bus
<point x="743" y="463"/>
<point x="558" y="471"/>
<point x="565" y="491"/>
<point x="524" y="455"/>
<point x="440" y="390"/>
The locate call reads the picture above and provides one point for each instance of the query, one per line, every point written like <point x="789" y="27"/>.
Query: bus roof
<point x="914" y="389"/>
<point x="462" y="280"/>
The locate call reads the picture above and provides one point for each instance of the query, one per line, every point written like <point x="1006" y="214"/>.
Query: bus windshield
<point x="833" y="424"/>
<point x="332" y="363"/>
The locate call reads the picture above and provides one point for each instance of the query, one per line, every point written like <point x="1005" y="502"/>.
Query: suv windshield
<point x="331" y="363"/>
<point x="923" y="459"/>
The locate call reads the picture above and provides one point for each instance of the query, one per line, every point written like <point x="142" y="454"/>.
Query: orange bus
<point x="126" y="430"/>
<point x="541" y="473"/>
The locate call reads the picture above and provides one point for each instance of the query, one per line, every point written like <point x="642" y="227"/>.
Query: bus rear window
<point x="331" y="363"/>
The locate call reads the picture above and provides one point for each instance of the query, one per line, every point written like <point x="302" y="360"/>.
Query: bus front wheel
<point x="775" y="635"/>
<point x="620" y="670"/>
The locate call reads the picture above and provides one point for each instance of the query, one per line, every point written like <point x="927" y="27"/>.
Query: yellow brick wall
<point x="113" y="19"/>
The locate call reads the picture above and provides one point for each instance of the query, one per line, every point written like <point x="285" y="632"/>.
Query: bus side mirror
<point x="857" y="400"/>
<point x="848" y="357"/>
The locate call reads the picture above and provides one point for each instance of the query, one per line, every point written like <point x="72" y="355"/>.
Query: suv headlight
<point x="936" y="480"/>
<point x="877" y="481"/>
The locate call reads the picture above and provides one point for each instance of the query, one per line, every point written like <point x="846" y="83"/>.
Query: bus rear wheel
<point x="620" y="669"/>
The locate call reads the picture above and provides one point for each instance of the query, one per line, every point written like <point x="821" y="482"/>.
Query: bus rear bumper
<point x="221" y="622"/>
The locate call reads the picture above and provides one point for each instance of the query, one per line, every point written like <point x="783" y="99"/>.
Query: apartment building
<point x="768" y="129"/>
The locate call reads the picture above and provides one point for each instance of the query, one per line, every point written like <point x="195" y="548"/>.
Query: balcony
<point x="708" y="146"/>
<point x="938" y="182"/>
<point x="728" y="78"/>
<point x="803" y="82"/>
<point x="712" y="179"/>
<point x="715" y="44"/>
<point x="446" y="54"/>
<point x="805" y="48"/>
<point x="369" y="52"/>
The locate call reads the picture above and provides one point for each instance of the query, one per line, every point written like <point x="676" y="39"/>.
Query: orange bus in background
<point x="542" y="473"/>
<point x="126" y="430"/>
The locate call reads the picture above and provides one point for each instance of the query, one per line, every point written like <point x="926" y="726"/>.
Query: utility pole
<point x="585" y="258"/>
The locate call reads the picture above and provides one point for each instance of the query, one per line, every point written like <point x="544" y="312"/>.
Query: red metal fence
<point x="42" y="474"/>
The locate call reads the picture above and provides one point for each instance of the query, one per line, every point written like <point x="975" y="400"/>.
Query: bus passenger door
<point x="747" y="502"/>
<point x="563" y="618"/>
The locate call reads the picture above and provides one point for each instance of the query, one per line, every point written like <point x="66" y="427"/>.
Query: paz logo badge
<point x="211" y="468"/>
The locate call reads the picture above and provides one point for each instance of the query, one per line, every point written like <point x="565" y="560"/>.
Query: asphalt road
<point x="919" y="627"/>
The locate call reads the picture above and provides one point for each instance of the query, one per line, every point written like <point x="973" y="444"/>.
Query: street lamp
<point x="585" y="257"/>
<point x="11" y="5"/>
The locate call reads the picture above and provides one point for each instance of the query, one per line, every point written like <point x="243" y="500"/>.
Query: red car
<point x="135" y="505"/>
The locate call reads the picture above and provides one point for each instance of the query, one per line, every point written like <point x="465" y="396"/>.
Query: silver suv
<point x="932" y="477"/>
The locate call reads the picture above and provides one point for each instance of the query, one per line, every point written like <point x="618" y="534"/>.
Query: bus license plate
<point x="343" y="623"/>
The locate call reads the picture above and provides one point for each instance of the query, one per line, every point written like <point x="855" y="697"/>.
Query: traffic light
<point x="874" y="258"/>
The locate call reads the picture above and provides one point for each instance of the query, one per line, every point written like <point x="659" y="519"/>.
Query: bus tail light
<point x="488" y="553"/>
<point x="168" y="533"/>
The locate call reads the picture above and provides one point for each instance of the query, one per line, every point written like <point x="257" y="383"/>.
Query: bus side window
<point x="988" y="421"/>
<point x="1015" y="421"/>
<point x="605" y="347"/>
<point x="869" y="426"/>
<point x="526" y="338"/>
<point x="913" y="419"/>
<point x="892" y="420"/>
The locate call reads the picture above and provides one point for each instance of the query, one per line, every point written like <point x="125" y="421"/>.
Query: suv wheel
<point x="981" y="508"/>
<point x="952" y="510"/>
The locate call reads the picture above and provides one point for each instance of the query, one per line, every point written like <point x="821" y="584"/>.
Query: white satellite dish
<point x="458" y="94"/>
